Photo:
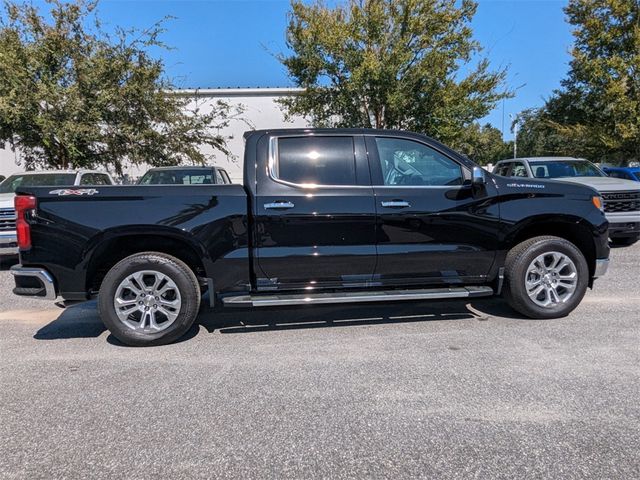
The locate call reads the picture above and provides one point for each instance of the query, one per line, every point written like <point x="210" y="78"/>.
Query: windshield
<point x="565" y="168"/>
<point x="36" y="180"/>
<point x="178" y="177"/>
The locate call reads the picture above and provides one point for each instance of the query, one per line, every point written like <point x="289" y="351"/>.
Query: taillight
<point x="24" y="203"/>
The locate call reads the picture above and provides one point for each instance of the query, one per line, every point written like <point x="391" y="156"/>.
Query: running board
<point x="355" y="297"/>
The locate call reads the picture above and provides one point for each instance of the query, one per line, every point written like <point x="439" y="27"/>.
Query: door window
<point x="315" y="160"/>
<point x="519" y="170"/>
<point x="408" y="163"/>
<point x="503" y="169"/>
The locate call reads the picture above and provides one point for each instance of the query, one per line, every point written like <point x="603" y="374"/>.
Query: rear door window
<point x="315" y="160"/>
<point x="503" y="169"/>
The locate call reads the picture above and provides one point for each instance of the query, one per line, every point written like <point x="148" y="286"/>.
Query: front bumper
<point x="602" y="265"/>
<point x="8" y="243"/>
<point x="624" y="229"/>
<point x="33" y="282"/>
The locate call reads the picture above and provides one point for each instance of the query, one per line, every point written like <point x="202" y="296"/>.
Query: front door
<point x="431" y="230"/>
<point x="315" y="214"/>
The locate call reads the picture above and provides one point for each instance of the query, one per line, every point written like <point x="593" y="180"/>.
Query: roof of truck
<point x="49" y="172"/>
<point x="541" y="159"/>
<point x="187" y="167"/>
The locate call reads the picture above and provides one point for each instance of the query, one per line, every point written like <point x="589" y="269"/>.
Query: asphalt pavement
<point x="402" y="390"/>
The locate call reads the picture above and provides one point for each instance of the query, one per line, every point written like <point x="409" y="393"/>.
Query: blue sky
<point x="227" y="43"/>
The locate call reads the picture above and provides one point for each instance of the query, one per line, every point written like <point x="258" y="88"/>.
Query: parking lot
<point x="440" y="390"/>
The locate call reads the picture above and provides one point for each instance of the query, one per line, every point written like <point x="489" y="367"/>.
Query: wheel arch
<point x="112" y="247"/>
<point x="572" y="229"/>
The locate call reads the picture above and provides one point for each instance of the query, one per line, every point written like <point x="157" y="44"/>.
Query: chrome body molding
<point x="356" y="297"/>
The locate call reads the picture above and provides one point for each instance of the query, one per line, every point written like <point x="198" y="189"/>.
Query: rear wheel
<point x="149" y="299"/>
<point x="545" y="277"/>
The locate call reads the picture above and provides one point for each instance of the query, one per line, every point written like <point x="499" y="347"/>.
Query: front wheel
<point x="149" y="299"/>
<point x="545" y="277"/>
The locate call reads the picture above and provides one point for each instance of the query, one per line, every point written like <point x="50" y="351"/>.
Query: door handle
<point x="279" y="205"/>
<point x="396" y="204"/>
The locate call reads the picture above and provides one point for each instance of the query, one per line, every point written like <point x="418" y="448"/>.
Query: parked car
<point x="626" y="173"/>
<point x="621" y="197"/>
<point x="324" y="216"/>
<point x="8" y="245"/>
<point x="185" y="176"/>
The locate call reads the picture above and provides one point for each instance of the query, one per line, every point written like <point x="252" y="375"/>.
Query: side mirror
<point x="478" y="177"/>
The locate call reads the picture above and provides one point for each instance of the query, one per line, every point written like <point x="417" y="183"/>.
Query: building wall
<point x="260" y="111"/>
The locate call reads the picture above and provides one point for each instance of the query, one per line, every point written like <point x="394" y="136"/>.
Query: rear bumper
<point x="602" y="265"/>
<point x="33" y="282"/>
<point x="8" y="243"/>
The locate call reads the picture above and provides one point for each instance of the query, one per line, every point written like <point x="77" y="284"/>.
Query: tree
<point x="405" y="64"/>
<point x="72" y="95"/>
<point x="538" y="135"/>
<point x="596" y="113"/>
<point x="484" y="144"/>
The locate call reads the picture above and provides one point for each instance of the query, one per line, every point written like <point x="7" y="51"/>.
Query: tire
<point x="528" y="262"/>
<point x="158" y="299"/>
<point x="624" y="241"/>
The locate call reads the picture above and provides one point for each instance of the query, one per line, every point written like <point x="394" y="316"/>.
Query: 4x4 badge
<point x="74" y="191"/>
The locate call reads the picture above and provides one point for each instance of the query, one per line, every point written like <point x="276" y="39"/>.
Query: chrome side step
<point x="355" y="297"/>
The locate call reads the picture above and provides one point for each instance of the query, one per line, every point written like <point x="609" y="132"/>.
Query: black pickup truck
<point x="324" y="216"/>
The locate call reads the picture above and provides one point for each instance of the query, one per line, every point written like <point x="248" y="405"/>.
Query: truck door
<point x="315" y="214"/>
<point x="431" y="229"/>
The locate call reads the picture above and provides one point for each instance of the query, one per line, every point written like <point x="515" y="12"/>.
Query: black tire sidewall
<point x="519" y="299"/>
<point x="176" y="270"/>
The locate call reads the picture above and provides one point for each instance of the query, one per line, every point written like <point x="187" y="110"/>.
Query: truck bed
<point x="76" y="229"/>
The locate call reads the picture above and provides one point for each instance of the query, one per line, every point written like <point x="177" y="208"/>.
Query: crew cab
<point x="323" y="216"/>
<point x="60" y="178"/>
<point x="621" y="197"/>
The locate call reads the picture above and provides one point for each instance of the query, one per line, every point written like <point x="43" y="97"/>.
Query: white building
<point x="260" y="111"/>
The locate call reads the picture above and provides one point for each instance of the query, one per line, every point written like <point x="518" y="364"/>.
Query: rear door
<point x="431" y="230"/>
<point x="315" y="213"/>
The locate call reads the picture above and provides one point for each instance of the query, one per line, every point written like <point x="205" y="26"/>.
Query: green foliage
<point x="538" y="137"/>
<point x="484" y="144"/>
<point x="596" y="114"/>
<point x="403" y="64"/>
<point x="72" y="95"/>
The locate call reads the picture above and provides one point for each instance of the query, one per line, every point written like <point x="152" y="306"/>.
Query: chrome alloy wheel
<point x="147" y="301"/>
<point x="551" y="279"/>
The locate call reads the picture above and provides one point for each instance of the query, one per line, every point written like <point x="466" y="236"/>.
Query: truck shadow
<point x="82" y="321"/>
<point x="233" y="321"/>
<point x="78" y="321"/>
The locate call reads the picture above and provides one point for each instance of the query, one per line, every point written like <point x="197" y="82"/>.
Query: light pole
<point x="514" y="129"/>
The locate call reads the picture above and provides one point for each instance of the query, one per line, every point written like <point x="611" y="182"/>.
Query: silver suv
<point x="621" y="197"/>
<point x="58" y="178"/>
